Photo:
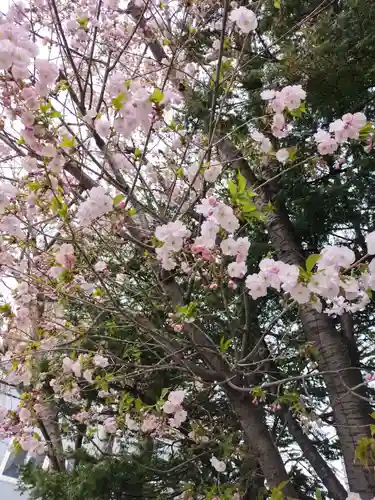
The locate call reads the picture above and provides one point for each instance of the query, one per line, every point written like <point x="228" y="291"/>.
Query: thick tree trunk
<point x="251" y="417"/>
<point x="260" y="441"/>
<point x="255" y="487"/>
<point x="351" y="412"/>
<point x="336" y="490"/>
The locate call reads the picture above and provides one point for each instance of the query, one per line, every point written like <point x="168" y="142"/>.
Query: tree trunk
<point x="336" y="490"/>
<point x="260" y="441"/>
<point x="351" y="412"/>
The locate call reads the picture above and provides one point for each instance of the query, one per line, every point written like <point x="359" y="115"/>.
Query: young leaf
<point x="118" y="102"/>
<point x="157" y="96"/>
<point x="224" y="344"/>
<point x="117" y="199"/>
<point x="311" y="261"/>
<point x="67" y="142"/>
<point x="318" y="495"/>
<point x="138" y="153"/>
<point x="232" y="189"/>
<point x="241" y="183"/>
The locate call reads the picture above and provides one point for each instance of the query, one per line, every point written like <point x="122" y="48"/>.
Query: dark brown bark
<point x="260" y="440"/>
<point x="336" y="490"/>
<point x="251" y="417"/>
<point x="351" y="412"/>
<point x="254" y="475"/>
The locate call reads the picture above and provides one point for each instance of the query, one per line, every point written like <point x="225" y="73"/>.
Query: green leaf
<point x="296" y="113"/>
<point x="241" y="183"/>
<point x="277" y="493"/>
<point x="318" y="495"/>
<point x="232" y="189"/>
<point x="269" y="208"/>
<point x="63" y="211"/>
<point x="276" y="4"/>
<point x="125" y="402"/>
<point x="63" y="85"/>
<point x="137" y="153"/>
<point x="256" y="215"/>
<point x="362" y="451"/>
<point x="83" y="22"/>
<point x="366" y="130"/>
<point x="55" y="204"/>
<point x="5" y="309"/>
<point x="164" y="392"/>
<point x="34" y="185"/>
<point x="45" y="107"/>
<point x="67" y="142"/>
<point x="117" y="199"/>
<point x="187" y="311"/>
<point x="247" y="206"/>
<point x="157" y="96"/>
<point x="17" y="446"/>
<point x="311" y="261"/>
<point x="225" y="344"/>
<point x="180" y="173"/>
<point x="138" y="404"/>
<point x="118" y="102"/>
<point x="292" y="153"/>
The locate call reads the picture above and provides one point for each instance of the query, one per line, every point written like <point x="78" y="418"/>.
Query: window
<point x="12" y="461"/>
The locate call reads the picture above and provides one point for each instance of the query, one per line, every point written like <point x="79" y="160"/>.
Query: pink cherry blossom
<point x="370" y="242"/>
<point x="131" y="423"/>
<point x="218" y="465"/>
<point x="244" y="18"/>
<point x="178" y="418"/>
<point x="102" y="126"/>
<point x="110" y="425"/>
<point x="282" y="155"/>
<point x="100" y="266"/>
<point x="65" y="255"/>
<point x="100" y="361"/>
<point x="237" y="269"/>
<point x="176" y="397"/>
<point x="24" y="415"/>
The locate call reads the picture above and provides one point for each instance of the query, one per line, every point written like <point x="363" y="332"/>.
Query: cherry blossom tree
<point x="128" y="224"/>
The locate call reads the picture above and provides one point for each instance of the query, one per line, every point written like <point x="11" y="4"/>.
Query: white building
<point x="11" y="461"/>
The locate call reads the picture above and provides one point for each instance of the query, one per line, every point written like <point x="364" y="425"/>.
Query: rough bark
<point x="251" y="417"/>
<point x="351" y="412"/>
<point x="260" y="441"/>
<point x="336" y="490"/>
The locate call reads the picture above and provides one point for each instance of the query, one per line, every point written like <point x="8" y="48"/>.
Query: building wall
<point x="8" y="485"/>
<point x="8" y="491"/>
